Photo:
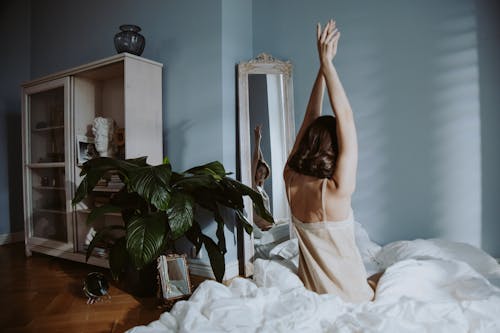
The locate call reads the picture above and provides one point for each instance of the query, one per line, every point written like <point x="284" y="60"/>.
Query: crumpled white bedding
<point x="428" y="286"/>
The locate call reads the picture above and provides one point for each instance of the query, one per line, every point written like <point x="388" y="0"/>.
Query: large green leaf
<point x="102" y="210"/>
<point x="180" y="213"/>
<point x="100" y="235"/>
<point x="109" y="163"/>
<point x="229" y="196"/>
<point x="139" y="161"/>
<point x="215" y="169"/>
<point x="258" y="202"/>
<point x="240" y="216"/>
<point x="193" y="183"/>
<point x="88" y="183"/>
<point x="219" y="233"/>
<point x="96" y="168"/>
<point x="216" y="257"/>
<point x="145" y="236"/>
<point x="118" y="257"/>
<point x="153" y="184"/>
<point x="207" y="199"/>
<point x="193" y="234"/>
<point x="129" y="201"/>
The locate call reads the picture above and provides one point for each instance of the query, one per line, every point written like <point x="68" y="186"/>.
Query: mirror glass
<point x="173" y="277"/>
<point x="266" y="129"/>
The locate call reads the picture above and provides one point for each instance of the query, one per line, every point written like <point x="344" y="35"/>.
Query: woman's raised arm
<point x="257" y="153"/>
<point x="344" y="175"/>
<point x="315" y="104"/>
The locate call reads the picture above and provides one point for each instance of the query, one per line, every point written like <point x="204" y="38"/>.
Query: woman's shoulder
<point x="288" y="174"/>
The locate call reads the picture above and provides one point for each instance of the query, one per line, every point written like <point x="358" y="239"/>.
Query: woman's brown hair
<point x="318" y="149"/>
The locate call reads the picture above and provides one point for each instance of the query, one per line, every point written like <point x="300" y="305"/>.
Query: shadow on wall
<point x="179" y="132"/>
<point x="14" y="167"/>
<point x="457" y="142"/>
<point x="418" y="120"/>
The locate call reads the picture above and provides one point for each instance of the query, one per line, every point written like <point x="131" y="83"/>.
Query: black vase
<point x="130" y="40"/>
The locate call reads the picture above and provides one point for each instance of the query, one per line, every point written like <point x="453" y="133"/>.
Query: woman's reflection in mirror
<point x="260" y="171"/>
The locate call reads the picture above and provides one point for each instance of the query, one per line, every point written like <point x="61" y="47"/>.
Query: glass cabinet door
<point x="46" y="194"/>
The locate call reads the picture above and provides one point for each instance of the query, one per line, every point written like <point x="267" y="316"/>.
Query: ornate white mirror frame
<point x="265" y="64"/>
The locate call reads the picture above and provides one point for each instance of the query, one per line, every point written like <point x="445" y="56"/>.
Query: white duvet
<point x="428" y="286"/>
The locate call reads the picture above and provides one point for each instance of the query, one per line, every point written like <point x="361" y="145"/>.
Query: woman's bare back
<point x="305" y="198"/>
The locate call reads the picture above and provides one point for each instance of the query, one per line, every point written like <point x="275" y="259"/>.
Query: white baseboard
<point x="14" y="237"/>
<point x="205" y="270"/>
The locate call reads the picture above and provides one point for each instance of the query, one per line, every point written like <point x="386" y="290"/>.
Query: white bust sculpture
<point x="103" y="128"/>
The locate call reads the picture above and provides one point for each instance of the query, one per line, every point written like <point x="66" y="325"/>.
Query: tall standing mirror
<point x="266" y="131"/>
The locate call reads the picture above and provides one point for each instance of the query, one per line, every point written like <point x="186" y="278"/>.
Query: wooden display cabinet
<point x="58" y="111"/>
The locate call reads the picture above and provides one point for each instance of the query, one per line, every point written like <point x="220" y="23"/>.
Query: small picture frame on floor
<point x="173" y="279"/>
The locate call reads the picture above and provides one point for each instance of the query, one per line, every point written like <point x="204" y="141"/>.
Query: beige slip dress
<point x="329" y="260"/>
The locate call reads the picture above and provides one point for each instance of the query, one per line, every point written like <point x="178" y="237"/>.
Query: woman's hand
<point x="257" y="133"/>
<point x="327" y="42"/>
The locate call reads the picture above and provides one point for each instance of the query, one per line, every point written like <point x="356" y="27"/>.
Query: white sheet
<point x="435" y="292"/>
<point x="265" y="241"/>
<point x="438" y="249"/>
<point x="276" y="233"/>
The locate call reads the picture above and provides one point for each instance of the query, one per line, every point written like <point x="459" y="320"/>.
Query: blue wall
<point x="411" y="71"/>
<point x="422" y="78"/>
<point x="15" y="59"/>
<point x="183" y="35"/>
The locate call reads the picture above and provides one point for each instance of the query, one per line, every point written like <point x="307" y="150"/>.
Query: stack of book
<point x="101" y="185"/>
<point x="113" y="184"/>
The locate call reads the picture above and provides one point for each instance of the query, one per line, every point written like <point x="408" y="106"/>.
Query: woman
<point x="260" y="171"/>
<point x="320" y="177"/>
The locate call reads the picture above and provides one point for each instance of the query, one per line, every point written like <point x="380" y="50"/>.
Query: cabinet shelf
<point x="88" y="211"/>
<point x="47" y="129"/>
<point x="51" y="211"/>
<point x="52" y="188"/>
<point x="46" y="165"/>
<point x="107" y="189"/>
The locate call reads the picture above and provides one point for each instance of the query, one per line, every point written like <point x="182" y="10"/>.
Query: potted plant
<point x="158" y="206"/>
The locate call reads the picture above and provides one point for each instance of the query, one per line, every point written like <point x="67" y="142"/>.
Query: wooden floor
<point x="44" y="294"/>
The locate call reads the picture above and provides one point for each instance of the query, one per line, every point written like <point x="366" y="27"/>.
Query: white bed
<point x="428" y="286"/>
<point x="265" y="241"/>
